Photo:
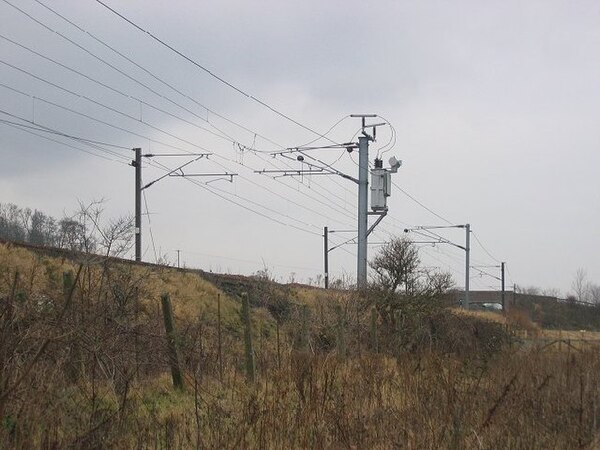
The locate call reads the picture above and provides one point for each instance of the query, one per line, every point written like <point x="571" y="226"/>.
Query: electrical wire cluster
<point x="147" y="99"/>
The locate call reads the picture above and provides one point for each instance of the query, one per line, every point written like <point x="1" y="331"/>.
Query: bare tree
<point x="581" y="285"/>
<point x="112" y="237"/>
<point x="436" y="282"/>
<point x="395" y="266"/>
<point x="24" y="225"/>
<point x="70" y="233"/>
<point x="344" y="281"/>
<point x="594" y="292"/>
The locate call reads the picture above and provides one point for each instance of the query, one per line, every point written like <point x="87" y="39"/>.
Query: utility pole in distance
<point x="381" y="175"/>
<point x="500" y="278"/>
<point x="327" y="249"/>
<point x="378" y="204"/>
<point x="177" y="172"/>
<point x="326" y="255"/>
<point x="137" y="163"/>
<point x="467" y="263"/>
<point x="422" y="231"/>
<point x="363" y="199"/>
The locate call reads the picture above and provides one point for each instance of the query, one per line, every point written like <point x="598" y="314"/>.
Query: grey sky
<point x="495" y="105"/>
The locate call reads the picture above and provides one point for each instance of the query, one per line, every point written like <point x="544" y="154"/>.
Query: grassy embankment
<point x="85" y="364"/>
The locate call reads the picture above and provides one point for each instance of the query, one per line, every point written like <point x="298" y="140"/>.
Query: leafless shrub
<point x="101" y="378"/>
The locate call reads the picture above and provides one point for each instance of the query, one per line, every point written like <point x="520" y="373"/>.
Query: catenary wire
<point x="61" y="143"/>
<point x="103" y="105"/>
<point x="160" y="80"/>
<point x="212" y="74"/>
<point x="9" y="3"/>
<point x="485" y="249"/>
<point x="213" y="190"/>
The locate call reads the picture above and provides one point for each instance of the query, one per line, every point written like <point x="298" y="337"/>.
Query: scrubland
<point x="84" y="363"/>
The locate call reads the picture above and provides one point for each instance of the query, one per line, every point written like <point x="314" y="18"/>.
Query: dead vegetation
<point x="83" y="363"/>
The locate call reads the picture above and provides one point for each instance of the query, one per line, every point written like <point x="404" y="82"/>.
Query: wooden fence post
<point x="560" y="338"/>
<point x="67" y="284"/>
<point x="176" y="372"/>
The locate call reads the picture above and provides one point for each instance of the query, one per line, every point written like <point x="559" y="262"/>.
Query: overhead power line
<point x="16" y="126"/>
<point x="224" y="134"/>
<point x="151" y="126"/>
<point x="420" y="203"/>
<point x="95" y="102"/>
<point x="382" y="149"/>
<point x="392" y="138"/>
<point x="222" y="194"/>
<point x="211" y="73"/>
<point x="108" y="86"/>
<point x="485" y="249"/>
<point x="94" y="119"/>
<point x="106" y="63"/>
<point x="113" y="110"/>
<point x="161" y="80"/>
<point x="45" y="129"/>
<point x="129" y="116"/>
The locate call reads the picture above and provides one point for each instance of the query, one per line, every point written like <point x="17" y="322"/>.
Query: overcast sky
<point x="495" y="107"/>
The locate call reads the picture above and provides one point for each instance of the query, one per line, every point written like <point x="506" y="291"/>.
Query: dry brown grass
<point x="103" y="380"/>
<point x="583" y="335"/>
<point x="490" y="316"/>
<point x="524" y="400"/>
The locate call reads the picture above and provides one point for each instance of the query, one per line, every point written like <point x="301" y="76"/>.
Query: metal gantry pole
<point x="326" y="255"/>
<point x="138" y="203"/>
<point x="363" y="197"/>
<point x="467" y="263"/>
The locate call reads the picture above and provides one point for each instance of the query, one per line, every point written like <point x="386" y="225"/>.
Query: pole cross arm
<point x="162" y="155"/>
<point x="483" y="272"/>
<point x="349" y="241"/>
<point x="293" y="172"/>
<point x="432" y="227"/>
<point x="316" y="164"/>
<point x="228" y="175"/>
<point x="315" y="147"/>
<point x="439" y="240"/>
<point x="171" y="172"/>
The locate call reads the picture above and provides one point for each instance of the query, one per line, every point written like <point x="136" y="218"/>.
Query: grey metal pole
<point x="178" y="251"/>
<point x="326" y="255"/>
<point x="503" y="293"/>
<point x="467" y="264"/>
<point x="363" y="197"/>
<point x="138" y="203"/>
